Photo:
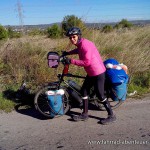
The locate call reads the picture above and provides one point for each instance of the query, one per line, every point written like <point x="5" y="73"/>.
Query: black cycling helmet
<point x="73" y="31"/>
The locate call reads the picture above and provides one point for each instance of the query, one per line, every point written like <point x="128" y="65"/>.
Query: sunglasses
<point x="72" y="37"/>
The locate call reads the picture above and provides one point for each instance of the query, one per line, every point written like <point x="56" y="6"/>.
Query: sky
<point x="34" y="12"/>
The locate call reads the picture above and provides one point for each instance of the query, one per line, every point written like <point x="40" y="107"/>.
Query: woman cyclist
<point x="90" y="59"/>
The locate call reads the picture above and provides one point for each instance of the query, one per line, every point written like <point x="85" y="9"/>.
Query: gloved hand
<point x="67" y="60"/>
<point x="65" y="53"/>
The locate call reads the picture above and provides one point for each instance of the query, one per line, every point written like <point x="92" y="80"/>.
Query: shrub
<point x="13" y="34"/>
<point x="3" y="33"/>
<point x="107" y="28"/>
<point x="123" y="24"/>
<point x="54" y="31"/>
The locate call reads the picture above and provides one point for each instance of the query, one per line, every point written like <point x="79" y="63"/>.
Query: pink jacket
<point x="89" y="58"/>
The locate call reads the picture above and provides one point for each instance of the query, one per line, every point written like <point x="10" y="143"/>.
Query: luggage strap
<point x="117" y="95"/>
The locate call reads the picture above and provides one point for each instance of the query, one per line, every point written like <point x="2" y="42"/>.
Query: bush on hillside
<point x="54" y="31"/>
<point x="3" y="33"/>
<point x="123" y="24"/>
<point x="107" y="29"/>
<point x="13" y="34"/>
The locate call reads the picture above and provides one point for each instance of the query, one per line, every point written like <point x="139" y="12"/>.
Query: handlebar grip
<point x="62" y="59"/>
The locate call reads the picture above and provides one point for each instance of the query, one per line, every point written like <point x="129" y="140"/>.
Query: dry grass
<point x="131" y="47"/>
<point x="25" y="58"/>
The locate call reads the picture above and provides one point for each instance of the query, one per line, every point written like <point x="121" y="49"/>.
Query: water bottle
<point x="75" y="96"/>
<point x="74" y="85"/>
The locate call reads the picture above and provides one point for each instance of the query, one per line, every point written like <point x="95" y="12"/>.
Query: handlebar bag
<point x="53" y="59"/>
<point x="55" y="99"/>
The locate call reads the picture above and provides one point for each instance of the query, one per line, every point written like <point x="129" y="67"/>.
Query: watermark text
<point x="117" y="142"/>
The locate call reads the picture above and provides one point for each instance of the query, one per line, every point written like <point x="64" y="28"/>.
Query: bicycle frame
<point x="66" y="74"/>
<point x="92" y="95"/>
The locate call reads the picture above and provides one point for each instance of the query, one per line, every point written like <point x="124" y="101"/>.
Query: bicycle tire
<point x="113" y="104"/>
<point x="41" y="101"/>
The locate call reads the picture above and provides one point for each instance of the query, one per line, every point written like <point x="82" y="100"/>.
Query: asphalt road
<point x="25" y="130"/>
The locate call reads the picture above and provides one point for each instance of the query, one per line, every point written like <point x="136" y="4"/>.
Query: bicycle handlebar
<point x="62" y="58"/>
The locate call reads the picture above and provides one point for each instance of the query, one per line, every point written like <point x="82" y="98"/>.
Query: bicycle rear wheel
<point x="42" y="104"/>
<point x="113" y="104"/>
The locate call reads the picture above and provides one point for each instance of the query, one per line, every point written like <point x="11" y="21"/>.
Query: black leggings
<point x="98" y="83"/>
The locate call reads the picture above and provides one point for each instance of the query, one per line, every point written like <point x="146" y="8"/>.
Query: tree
<point x="54" y="31"/>
<point x="3" y="33"/>
<point x="71" y="21"/>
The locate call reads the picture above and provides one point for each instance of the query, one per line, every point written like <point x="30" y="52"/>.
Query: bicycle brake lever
<point x="61" y="59"/>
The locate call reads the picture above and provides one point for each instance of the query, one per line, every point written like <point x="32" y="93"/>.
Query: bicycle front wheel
<point x="42" y="104"/>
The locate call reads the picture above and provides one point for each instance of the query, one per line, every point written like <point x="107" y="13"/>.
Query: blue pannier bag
<point x="117" y="80"/>
<point x="119" y="92"/>
<point x="112" y="61"/>
<point x="55" y="99"/>
<point x="114" y="73"/>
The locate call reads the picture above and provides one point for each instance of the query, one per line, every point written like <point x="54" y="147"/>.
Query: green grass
<point x="140" y="82"/>
<point x="5" y="104"/>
